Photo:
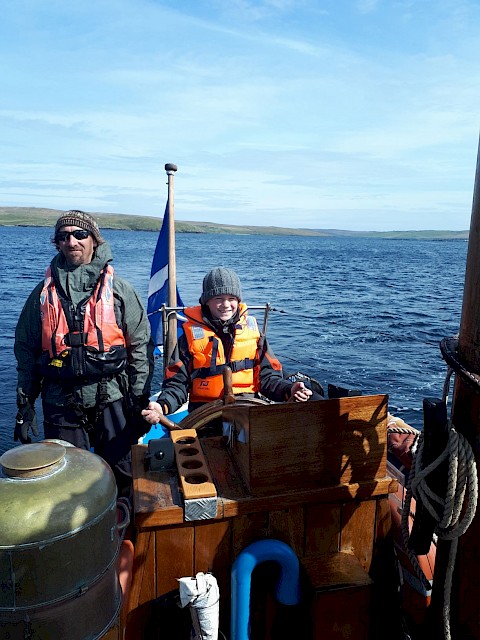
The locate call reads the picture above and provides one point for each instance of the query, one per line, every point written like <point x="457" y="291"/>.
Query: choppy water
<point x="362" y="313"/>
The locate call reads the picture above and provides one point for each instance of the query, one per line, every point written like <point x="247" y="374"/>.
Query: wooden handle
<point x="168" y="424"/>
<point x="228" y="397"/>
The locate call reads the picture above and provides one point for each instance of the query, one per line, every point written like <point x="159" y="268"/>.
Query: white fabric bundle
<point x="201" y="594"/>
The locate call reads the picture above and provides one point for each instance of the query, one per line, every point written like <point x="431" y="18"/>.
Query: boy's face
<point x="223" y="307"/>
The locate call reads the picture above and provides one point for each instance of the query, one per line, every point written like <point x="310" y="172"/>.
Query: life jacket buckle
<point x="75" y="339"/>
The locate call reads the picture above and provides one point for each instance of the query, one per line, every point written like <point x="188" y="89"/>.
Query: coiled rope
<point x="461" y="497"/>
<point x="461" y="494"/>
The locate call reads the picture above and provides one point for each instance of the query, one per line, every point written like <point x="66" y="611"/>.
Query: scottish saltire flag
<point x="158" y="287"/>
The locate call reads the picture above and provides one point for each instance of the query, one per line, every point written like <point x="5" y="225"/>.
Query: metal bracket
<point x="160" y="455"/>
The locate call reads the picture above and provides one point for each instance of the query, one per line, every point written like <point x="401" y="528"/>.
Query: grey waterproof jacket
<point x="79" y="283"/>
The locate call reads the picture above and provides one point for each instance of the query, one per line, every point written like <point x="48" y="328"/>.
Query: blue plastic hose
<point x="288" y="585"/>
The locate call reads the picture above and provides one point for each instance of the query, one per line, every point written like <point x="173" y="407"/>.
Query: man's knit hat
<point x="75" y="218"/>
<point x="220" y="281"/>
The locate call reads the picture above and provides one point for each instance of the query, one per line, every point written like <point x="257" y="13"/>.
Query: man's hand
<point x="26" y="419"/>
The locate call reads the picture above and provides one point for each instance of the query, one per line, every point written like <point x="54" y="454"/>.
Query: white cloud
<point x="362" y="114"/>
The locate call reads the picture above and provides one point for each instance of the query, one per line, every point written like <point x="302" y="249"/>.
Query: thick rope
<point x="462" y="489"/>
<point x="449" y="349"/>
<point x="461" y="497"/>
<point x="393" y="427"/>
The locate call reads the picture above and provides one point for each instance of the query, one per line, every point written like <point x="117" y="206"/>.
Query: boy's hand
<point x="299" y="393"/>
<point x="152" y="413"/>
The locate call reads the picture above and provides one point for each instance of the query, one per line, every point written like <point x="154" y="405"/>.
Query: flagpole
<point x="172" y="267"/>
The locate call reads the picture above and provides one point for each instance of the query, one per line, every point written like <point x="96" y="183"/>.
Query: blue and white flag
<point x="158" y="286"/>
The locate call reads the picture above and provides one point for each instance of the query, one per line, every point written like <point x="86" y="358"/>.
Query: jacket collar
<point x="84" y="277"/>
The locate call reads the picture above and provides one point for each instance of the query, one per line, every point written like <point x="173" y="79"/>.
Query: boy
<point x="220" y="333"/>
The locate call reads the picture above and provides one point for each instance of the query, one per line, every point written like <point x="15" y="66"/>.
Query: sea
<point x="361" y="313"/>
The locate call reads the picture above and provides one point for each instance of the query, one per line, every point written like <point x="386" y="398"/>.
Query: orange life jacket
<point x="83" y="342"/>
<point x="209" y="360"/>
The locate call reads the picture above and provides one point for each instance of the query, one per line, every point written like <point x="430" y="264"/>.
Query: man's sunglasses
<point x="78" y="234"/>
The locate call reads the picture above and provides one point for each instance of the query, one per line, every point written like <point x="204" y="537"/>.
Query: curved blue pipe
<point x="288" y="585"/>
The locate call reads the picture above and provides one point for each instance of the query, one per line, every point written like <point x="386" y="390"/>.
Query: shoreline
<point x="42" y="217"/>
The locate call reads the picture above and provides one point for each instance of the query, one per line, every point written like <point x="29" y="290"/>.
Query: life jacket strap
<point x="81" y="412"/>
<point x="241" y="365"/>
<point x="216" y="370"/>
<point x="75" y="339"/>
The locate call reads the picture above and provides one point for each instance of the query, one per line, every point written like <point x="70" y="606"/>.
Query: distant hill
<point x="38" y="217"/>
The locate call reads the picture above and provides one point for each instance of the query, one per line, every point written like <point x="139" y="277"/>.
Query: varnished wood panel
<point x="312" y="444"/>
<point x="358" y="530"/>
<point x="322" y="533"/>
<point x="247" y="529"/>
<point x="143" y="581"/>
<point x="383" y="520"/>
<point x="288" y="525"/>
<point x="213" y="545"/>
<point x="174" y="557"/>
<point x="213" y="552"/>
<point x="142" y="590"/>
<point x="159" y="504"/>
<point x="335" y="570"/>
<point x="228" y="508"/>
<point x="342" y="614"/>
<point x="340" y="595"/>
<point x="240" y="418"/>
<point x="225" y="472"/>
<point x="384" y="572"/>
<point x="340" y="592"/>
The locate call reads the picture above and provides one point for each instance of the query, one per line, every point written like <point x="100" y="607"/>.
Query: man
<point x="83" y="342"/>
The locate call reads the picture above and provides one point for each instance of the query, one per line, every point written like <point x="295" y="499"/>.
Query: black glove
<point x="138" y="423"/>
<point x="26" y="419"/>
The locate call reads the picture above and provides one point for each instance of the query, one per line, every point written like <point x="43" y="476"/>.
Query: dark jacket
<point x="79" y="282"/>
<point x="176" y="384"/>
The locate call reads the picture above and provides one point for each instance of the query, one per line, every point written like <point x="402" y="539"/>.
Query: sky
<point x="324" y="114"/>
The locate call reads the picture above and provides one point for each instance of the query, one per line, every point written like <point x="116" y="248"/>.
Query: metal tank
<point x="59" y="541"/>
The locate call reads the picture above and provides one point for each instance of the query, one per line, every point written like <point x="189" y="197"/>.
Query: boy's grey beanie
<point x="220" y="281"/>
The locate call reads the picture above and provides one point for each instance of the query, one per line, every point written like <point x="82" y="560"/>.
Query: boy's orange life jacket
<point x="208" y="356"/>
<point x="97" y="335"/>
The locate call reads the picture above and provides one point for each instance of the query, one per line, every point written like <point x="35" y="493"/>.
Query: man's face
<point x="223" y="307"/>
<point x="77" y="251"/>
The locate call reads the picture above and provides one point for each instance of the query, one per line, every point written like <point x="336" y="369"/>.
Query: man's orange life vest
<point x="209" y="360"/>
<point x="83" y="342"/>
